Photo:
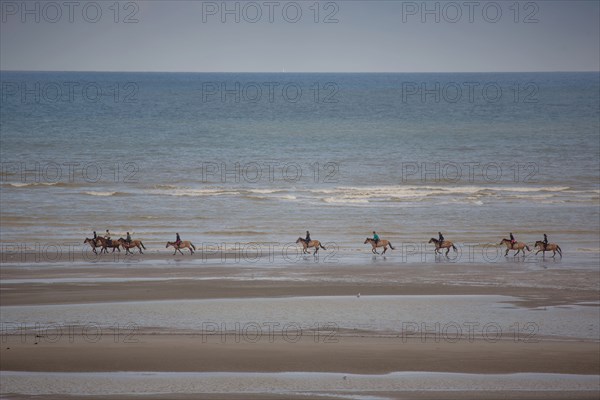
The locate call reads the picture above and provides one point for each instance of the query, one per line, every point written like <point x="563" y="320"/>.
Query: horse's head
<point x="367" y="240"/>
<point x="168" y="244"/>
<point x="87" y="240"/>
<point x="504" y="241"/>
<point x="538" y="243"/>
<point x="433" y="240"/>
<point x="299" y="240"/>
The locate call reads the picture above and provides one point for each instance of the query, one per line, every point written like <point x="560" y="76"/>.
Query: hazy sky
<point x="301" y="36"/>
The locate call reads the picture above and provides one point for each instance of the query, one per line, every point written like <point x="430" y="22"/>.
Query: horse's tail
<point x="322" y="246"/>
<point x="192" y="244"/>
<point x="142" y="244"/>
<point x="391" y="247"/>
<point x="559" y="249"/>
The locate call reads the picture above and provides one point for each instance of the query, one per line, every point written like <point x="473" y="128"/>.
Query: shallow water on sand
<point x="460" y="316"/>
<point x="346" y="386"/>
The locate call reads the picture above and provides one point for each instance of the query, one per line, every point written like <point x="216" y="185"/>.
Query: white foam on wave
<point x="105" y="194"/>
<point x="24" y="184"/>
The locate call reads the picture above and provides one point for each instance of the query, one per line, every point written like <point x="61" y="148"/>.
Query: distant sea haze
<point x="244" y="158"/>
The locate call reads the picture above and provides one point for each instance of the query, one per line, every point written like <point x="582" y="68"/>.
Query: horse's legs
<point x="384" y="249"/>
<point x="518" y="251"/>
<point x="447" y="251"/>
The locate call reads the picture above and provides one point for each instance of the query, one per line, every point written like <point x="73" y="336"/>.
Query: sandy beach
<point x="512" y="326"/>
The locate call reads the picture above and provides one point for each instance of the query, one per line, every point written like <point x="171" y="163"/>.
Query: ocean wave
<point x="31" y="184"/>
<point x="471" y="194"/>
<point x="468" y="194"/>
<point x="106" y="194"/>
<point x="345" y="200"/>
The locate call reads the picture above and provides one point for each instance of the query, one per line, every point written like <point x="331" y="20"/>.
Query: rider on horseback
<point x="375" y="237"/>
<point x="94" y="238"/>
<point x="177" y="240"/>
<point x="307" y="240"/>
<point x="440" y="238"/>
<point x="545" y="241"/>
<point x="128" y="238"/>
<point x="107" y="237"/>
<point x="512" y="240"/>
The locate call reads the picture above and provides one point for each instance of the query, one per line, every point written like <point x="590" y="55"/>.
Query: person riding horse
<point x="177" y="240"/>
<point x="94" y="238"/>
<point x="440" y="237"/>
<point x="512" y="240"/>
<point x="545" y="241"/>
<point x="375" y="237"/>
<point x="128" y="238"/>
<point x="107" y="237"/>
<point x="307" y="239"/>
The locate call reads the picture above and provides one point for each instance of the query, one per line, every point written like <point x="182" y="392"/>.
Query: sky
<point x="300" y="36"/>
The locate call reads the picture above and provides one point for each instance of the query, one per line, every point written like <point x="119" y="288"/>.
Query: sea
<point x="256" y="159"/>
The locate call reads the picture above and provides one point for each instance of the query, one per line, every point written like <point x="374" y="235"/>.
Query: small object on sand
<point x="358" y="295"/>
<point x="345" y="377"/>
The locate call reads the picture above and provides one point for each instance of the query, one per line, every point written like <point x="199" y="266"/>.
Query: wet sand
<point x="349" y="351"/>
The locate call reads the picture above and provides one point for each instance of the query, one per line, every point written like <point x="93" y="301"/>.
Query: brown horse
<point x="519" y="246"/>
<point x="114" y="244"/>
<point x="313" y="243"/>
<point x="93" y="244"/>
<point x="550" y="247"/>
<point x="185" y="244"/>
<point x="446" y="244"/>
<point x="134" y="243"/>
<point x="381" y="243"/>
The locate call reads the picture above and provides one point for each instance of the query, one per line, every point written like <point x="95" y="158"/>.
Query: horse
<point x="93" y="244"/>
<point x="186" y="244"/>
<point x="134" y="243"/>
<point x="114" y="244"/>
<point x="313" y="243"/>
<point x="519" y="246"/>
<point x="549" y="247"/>
<point x="446" y="244"/>
<point x="381" y="243"/>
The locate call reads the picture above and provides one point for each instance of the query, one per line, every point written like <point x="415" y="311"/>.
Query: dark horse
<point x="553" y="247"/>
<point x="381" y="243"/>
<point x="105" y="243"/>
<point x="446" y="244"/>
<point x="182" y="245"/>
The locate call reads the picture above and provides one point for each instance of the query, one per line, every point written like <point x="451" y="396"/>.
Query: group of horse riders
<point x="307" y="242"/>
<point x="107" y="236"/>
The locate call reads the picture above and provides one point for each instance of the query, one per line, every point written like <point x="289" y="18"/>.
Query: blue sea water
<point x="245" y="158"/>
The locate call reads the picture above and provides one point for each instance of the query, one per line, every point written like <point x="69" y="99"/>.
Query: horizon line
<point x="296" y="72"/>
